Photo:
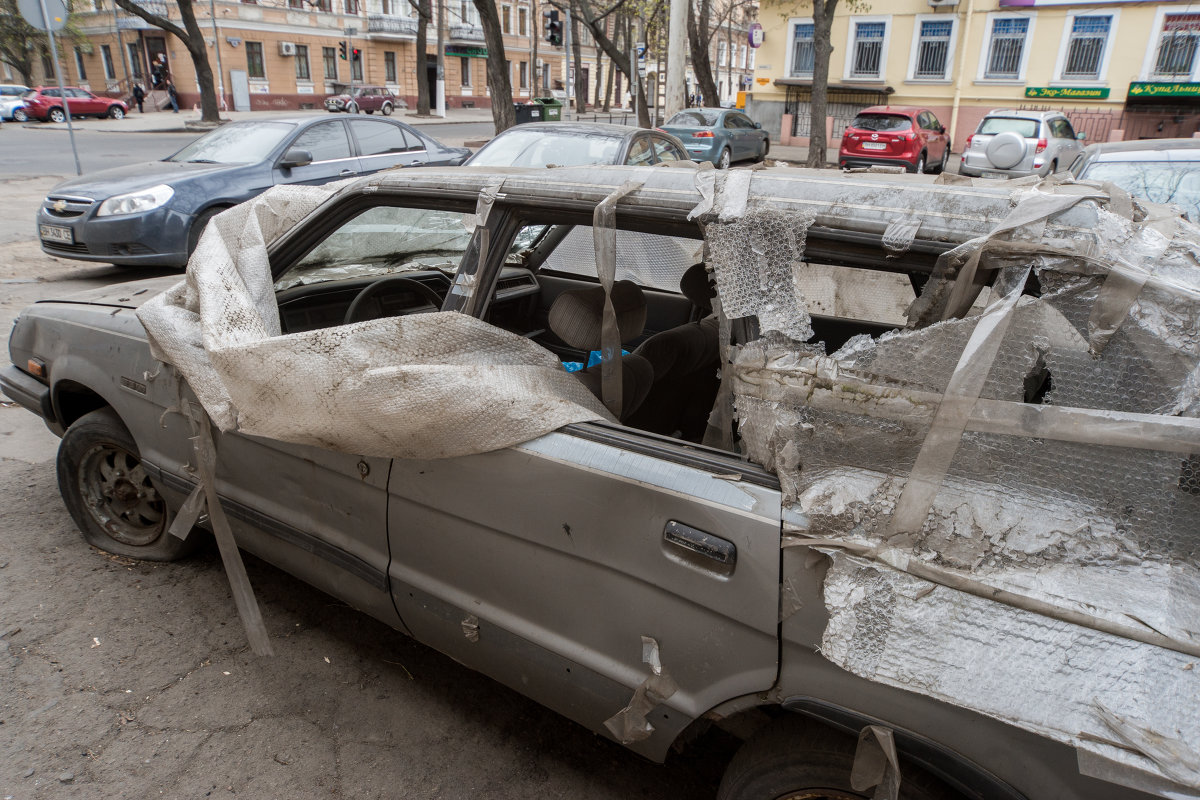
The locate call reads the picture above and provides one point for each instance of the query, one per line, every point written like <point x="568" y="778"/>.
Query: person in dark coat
<point x="139" y="97"/>
<point x="172" y="97"/>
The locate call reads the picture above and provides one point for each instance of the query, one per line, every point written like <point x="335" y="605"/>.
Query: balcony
<point x="465" y="33"/>
<point x="128" y="22"/>
<point x="392" y="24"/>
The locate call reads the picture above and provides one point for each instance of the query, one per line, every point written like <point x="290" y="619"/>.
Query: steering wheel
<point x="355" y="312"/>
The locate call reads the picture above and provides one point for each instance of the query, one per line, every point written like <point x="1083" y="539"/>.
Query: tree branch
<point x="153" y="19"/>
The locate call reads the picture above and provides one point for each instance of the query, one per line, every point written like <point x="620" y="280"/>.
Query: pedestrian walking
<point x="139" y="97"/>
<point x="172" y="97"/>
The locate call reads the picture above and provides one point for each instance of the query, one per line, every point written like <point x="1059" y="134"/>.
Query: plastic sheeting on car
<point x="1011" y="498"/>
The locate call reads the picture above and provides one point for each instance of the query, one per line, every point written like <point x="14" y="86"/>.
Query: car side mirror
<point x="758" y="125"/>
<point x="941" y="128"/>
<point x="1081" y="136"/>
<point x="295" y="157"/>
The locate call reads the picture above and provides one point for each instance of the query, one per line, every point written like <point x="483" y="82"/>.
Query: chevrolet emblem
<point x="60" y="206"/>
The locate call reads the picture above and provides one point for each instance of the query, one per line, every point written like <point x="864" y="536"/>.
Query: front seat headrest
<point x="697" y="286"/>
<point x="576" y="314"/>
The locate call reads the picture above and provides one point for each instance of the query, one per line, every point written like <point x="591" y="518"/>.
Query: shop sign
<point x="1068" y="92"/>
<point x="755" y="35"/>
<point x="763" y="81"/>
<point x="465" y="51"/>
<point x="1138" y="89"/>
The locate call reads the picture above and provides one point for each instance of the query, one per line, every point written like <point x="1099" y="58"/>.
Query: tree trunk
<point x="822" y="48"/>
<point x="499" y="84"/>
<point x="581" y="90"/>
<point x="193" y="39"/>
<point x="424" y="16"/>
<point x="698" y="39"/>
<point x="18" y="41"/>
<point x="620" y="59"/>
<point x="598" y="95"/>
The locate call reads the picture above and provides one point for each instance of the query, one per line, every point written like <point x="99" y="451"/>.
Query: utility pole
<point x="441" y="59"/>
<point x="350" y="31"/>
<point x="570" y="84"/>
<point x="676" y="36"/>
<point x="212" y="8"/>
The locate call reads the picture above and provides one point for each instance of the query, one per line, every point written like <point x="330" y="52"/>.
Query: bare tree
<point x="576" y="56"/>
<point x="705" y="20"/>
<point x="594" y="19"/>
<point x="497" y="66"/>
<point x="193" y="40"/>
<point x="20" y="42"/>
<point x="823" y="11"/>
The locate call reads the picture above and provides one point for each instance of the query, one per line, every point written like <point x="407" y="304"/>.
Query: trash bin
<point x="527" y="112"/>
<point x="551" y="108"/>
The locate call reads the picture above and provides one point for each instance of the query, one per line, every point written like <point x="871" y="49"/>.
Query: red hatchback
<point x="895" y="136"/>
<point x="45" y="103"/>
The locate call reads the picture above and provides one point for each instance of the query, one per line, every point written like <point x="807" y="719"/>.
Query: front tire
<point x="20" y="115"/>
<point x="352" y="108"/>
<point x="116" y="112"/>
<point x="919" y="168"/>
<point x="386" y="110"/>
<point x="766" y="148"/>
<point x="56" y="115"/>
<point x="941" y="167"/>
<point x="108" y="492"/>
<point x="723" y="159"/>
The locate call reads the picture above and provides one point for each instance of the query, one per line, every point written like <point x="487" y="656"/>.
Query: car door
<point x="382" y="145"/>
<point x="80" y="102"/>
<point x="332" y="155"/>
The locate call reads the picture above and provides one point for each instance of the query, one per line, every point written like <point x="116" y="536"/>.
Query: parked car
<point x="573" y="144"/>
<point x="364" y="98"/>
<point x="45" y="103"/>
<point x="153" y="213"/>
<point x="895" y="135"/>
<point x="650" y="587"/>
<point x="1158" y="170"/>
<point x="719" y="135"/>
<point x="11" y="105"/>
<point x="1011" y="143"/>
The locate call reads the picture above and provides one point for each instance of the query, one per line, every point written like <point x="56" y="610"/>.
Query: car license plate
<point x="56" y="233"/>
<point x="874" y="146"/>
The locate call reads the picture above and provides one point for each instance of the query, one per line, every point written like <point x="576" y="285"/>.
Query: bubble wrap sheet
<point x="422" y="386"/>
<point x="1069" y="490"/>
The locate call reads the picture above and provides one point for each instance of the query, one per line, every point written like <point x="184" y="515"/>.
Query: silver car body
<point x="544" y="564"/>
<point x="1012" y="143"/>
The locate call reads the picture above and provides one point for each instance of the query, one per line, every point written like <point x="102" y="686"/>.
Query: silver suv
<point x="1010" y="143"/>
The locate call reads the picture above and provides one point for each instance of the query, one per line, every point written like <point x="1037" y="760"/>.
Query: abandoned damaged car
<point x="900" y="485"/>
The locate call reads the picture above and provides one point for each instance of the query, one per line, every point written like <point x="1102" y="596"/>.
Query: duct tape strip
<point x="630" y="724"/>
<point x="189" y="514"/>
<point x="733" y="194"/>
<point x="876" y="763"/>
<point x="719" y="432"/>
<point x="899" y="236"/>
<point x="483" y="205"/>
<point x="705" y="182"/>
<point x="604" y="235"/>
<point x="950" y="421"/>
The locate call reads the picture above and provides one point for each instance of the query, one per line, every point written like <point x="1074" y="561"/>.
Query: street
<point x="123" y="679"/>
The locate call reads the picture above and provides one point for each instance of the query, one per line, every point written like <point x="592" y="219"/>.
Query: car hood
<point x="120" y="295"/>
<point x="119" y="180"/>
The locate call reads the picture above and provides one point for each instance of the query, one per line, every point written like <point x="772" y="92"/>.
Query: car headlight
<point x="136" y="202"/>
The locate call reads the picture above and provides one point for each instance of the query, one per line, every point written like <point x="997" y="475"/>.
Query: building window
<point x="79" y="66"/>
<point x="464" y="68"/>
<point x="110" y="73"/>
<point x="135" y="58"/>
<point x="1085" y="51"/>
<point x="523" y="69"/>
<point x="322" y="5"/>
<point x="329" y="58"/>
<point x="302" y="72"/>
<point x="295" y="3"/>
<point x="867" y="52"/>
<point x="506" y="19"/>
<point x="933" y="49"/>
<point x="803" y="51"/>
<point x="352" y="7"/>
<point x="254" y="60"/>
<point x="1007" y="48"/>
<point x="721" y="51"/>
<point x="389" y="66"/>
<point x="522" y="21"/>
<point x="1177" y="47"/>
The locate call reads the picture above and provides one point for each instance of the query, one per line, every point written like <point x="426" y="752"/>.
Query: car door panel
<point x="557" y="545"/>
<point x="333" y="156"/>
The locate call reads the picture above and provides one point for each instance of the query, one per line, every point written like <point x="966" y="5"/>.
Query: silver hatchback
<point x="1011" y="143"/>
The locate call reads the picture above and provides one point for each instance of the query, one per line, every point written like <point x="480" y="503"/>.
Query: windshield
<point x="884" y="123"/>
<point x="696" y="118"/>
<point x="538" y="147"/>
<point x="1156" y="181"/>
<point x="235" y="143"/>
<point x="1025" y="128"/>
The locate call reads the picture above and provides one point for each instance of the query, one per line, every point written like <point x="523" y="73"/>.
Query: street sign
<point x="755" y="35"/>
<point x="56" y="12"/>
<point x="640" y="48"/>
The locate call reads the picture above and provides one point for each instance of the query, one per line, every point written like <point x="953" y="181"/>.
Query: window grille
<point x="868" y="49"/>
<point x="1177" y="46"/>
<point x="1007" y="47"/>
<point x="933" y="49"/>
<point x="803" y="51"/>
<point x="1085" y="50"/>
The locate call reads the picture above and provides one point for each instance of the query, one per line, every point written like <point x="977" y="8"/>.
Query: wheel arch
<point x="71" y="399"/>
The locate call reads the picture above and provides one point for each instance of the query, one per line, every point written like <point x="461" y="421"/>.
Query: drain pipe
<point x="962" y="62"/>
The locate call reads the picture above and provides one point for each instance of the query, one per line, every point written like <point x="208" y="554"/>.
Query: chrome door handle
<point x="346" y="172"/>
<point x="701" y="543"/>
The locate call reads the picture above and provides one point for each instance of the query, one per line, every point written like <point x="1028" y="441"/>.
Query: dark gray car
<point x="153" y="213"/>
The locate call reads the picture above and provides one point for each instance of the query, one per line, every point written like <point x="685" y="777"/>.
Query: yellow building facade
<point x="1119" y="69"/>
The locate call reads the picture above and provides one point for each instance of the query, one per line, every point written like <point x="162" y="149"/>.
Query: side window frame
<point x="351" y="144"/>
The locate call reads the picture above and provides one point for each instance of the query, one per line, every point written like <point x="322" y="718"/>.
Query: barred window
<point x="302" y="73"/>
<point x="803" y="51"/>
<point x="254" y="60"/>
<point x="1177" y="46"/>
<point x="868" y="49"/>
<point x="330" y="60"/>
<point x="1089" y="35"/>
<point x="389" y="66"/>
<point x="1007" y="47"/>
<point x="933" y="49"/>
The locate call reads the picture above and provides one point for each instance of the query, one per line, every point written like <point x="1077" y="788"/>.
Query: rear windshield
<point x="1025" y="128"/>
<point x="1156" y="181"/>
<point x="884" y="123"/>
<point x="695" y="118"/>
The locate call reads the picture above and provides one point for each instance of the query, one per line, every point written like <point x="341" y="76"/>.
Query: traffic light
<point x="342" y="50"/>
<point x="357" y="54"/>
<point x="554" y="31"/>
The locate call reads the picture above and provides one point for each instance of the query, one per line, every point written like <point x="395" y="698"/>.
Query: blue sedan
<point x="719" y="135"/>
<point x="153" y="213"/>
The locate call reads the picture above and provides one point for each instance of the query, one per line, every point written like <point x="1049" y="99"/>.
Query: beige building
<point x="1120" y="69"/>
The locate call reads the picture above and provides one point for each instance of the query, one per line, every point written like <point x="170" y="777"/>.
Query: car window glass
<point x="1025" y="128"/>
<point x="696" y="118"/>
<point x="883" y="123"/>
<point x="1156" y="181"/>
<point x="731" y="121"/>
<point x="639" y="152"/>
<point x="378" y="138"/>
<point x="414" y="140"/>
<point x="665" y="150"/>
<point x="934" y="123"/>
<point x="519" y="147"/>
<point x="647" y="259"/>
<point x="326" y="141"/>
<point x="51" y="93"/>
<point x="236" y="143"/>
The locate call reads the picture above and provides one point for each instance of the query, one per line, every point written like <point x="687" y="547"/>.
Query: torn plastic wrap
<point x="1012" y="498"/>
<point x="422" y="386"/>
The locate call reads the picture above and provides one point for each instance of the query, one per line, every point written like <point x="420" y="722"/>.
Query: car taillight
<point x="968" y="144"/>
<point x="1041" y="145"/>
<point x="702" y="135"/>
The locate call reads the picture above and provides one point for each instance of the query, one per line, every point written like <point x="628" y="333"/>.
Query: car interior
<point x="391" y="260"/>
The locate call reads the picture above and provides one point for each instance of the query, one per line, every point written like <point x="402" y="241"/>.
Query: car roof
<point x="1146" y="150"/>
<point x="1023" y="113"/>
<point x="909" y="111"/>
<point x="581" y="128"/>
